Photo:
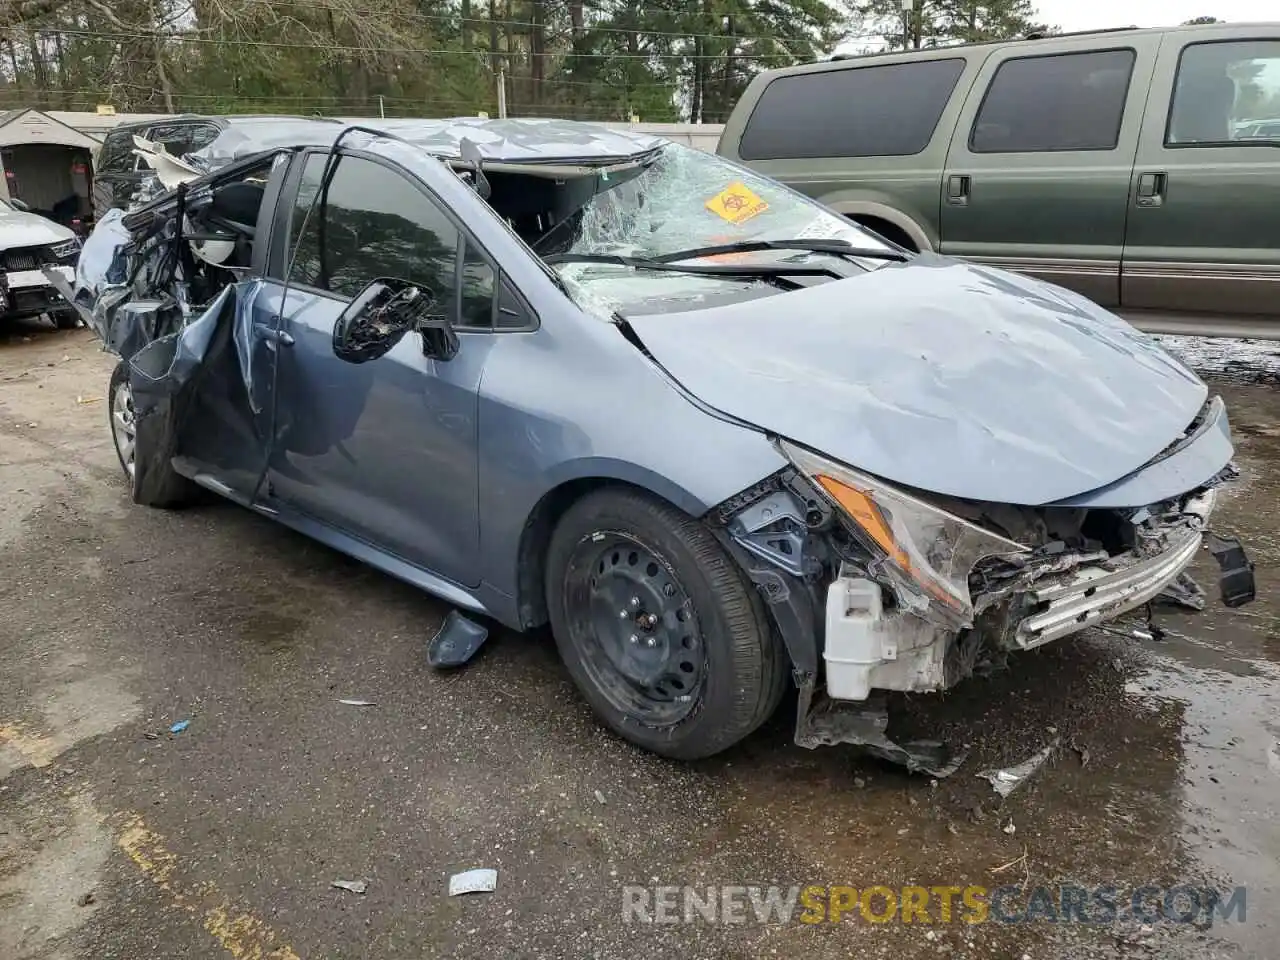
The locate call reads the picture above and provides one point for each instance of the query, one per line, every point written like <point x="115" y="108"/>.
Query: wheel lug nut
<point x="668" y="591"/>
<point x="623" y="614"/>
<point x="650" y="642"/>
<point x="635" y="602"/>
<point x="634" y="638"/>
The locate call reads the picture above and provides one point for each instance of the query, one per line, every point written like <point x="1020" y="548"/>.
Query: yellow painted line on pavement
<point x="239" y="932"/>
<point x="37" y="751"/>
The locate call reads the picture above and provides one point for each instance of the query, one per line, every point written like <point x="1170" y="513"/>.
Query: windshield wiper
<point x="840" y="248"/>
<point x="664" y="264"/>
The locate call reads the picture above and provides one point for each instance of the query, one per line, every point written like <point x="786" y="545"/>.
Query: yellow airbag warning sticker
<point x="736" y="203"/>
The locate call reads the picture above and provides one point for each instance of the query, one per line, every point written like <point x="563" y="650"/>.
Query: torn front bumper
<point x="871" y="644"/>
<point x="1095" y="595"/>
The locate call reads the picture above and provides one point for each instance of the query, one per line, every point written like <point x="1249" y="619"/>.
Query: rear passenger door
<point x="1204" y="218"/>
<point x="1037" y="178"/>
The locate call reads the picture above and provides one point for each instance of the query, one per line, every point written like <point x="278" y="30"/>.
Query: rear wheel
<point x="658" y="626"/>
<point x="66" y="319"/>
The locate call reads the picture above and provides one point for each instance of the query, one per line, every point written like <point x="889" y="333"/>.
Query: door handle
<point x="274" y="334"/>
<point x="1151" y="189"/>
<point x="958" y="189"/>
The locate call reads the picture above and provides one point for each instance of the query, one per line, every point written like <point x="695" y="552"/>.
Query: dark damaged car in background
<point x="721" y="439"/>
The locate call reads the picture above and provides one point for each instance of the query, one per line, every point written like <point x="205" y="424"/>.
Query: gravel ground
<point x="119" y="839"/>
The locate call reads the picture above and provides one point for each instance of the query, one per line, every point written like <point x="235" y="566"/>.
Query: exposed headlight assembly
<point x="65" y="249"/>
<point x="926" y="553"/>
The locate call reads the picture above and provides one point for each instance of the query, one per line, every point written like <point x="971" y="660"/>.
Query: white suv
<point x="28" y="244"/>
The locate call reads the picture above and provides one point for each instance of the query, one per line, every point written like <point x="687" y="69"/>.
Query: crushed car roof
<point x="512" y="141"/>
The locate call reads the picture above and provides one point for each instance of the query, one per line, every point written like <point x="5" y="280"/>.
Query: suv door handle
<point x="272" y="333"/>
<point x="958" y="189"/>
<point x="1151" y="189"/>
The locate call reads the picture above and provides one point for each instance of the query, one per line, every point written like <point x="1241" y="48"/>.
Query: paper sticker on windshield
<point x="736" y="203"/>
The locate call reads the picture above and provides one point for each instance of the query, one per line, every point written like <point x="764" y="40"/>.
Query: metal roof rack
<point x="1035" y="35"/>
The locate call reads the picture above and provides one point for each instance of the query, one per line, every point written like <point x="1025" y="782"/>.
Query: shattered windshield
<point x="685" y="198"/>
<point x="681" y="199"/>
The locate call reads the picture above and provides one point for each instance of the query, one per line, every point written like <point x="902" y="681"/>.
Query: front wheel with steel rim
<point x="163" y="486"/>
<point x="658" y="627"/>
<point x="124" y="428"/>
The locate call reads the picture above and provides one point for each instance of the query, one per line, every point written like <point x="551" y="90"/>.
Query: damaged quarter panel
<point x="941" y="376"/>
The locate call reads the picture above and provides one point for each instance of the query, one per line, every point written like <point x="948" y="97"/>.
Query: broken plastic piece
<point x="1007" y="779"/>
<point x="351" y="886"/>
<point x="458" y="641"/>
<point x="358" y="703"/>
<point x="1237" y="582"/>
<point x="180" y="726"/>
<point x="830" y="722"/>
<point x="1183" y="592"/>
<point x="482" y="880"/>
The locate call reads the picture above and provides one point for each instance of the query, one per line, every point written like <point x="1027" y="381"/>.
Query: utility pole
<point x="502" y="93"/>
<point x="909" y="38"/>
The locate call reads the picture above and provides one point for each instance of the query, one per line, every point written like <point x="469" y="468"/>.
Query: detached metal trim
<point x="1087" y="600"/>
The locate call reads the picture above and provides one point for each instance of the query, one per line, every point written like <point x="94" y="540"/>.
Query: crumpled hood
<point x="945" y="376"/>
<point x="18" y="229"/>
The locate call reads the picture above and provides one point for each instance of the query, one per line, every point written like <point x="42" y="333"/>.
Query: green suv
<point x="1116" y="163"/>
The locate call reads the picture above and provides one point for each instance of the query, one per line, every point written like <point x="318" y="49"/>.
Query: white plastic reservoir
<point x="855" y="637"/>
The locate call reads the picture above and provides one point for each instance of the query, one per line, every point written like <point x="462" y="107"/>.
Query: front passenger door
<point x="384" y="451"/>
<point x="1204" y="232"/>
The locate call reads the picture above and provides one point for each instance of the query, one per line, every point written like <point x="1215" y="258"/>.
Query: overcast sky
<point x="1093" y="14"/>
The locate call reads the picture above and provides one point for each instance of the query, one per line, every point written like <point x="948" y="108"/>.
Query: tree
<point x="593" y="59"/>
<point x="933" y="23"/>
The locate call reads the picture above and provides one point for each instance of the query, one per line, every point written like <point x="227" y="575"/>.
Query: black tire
<point x="66" y="319"/>
<point x="719" y="632"/>
<point x="168" y="490"/>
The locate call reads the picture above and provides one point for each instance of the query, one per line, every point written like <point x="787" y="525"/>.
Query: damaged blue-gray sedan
<point x="720" y="438"/>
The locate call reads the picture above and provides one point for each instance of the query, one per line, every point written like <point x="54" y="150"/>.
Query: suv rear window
<point x="885" y="111"/>
<point x="116" y="155"/>
<point x="180" y="138"/>
<point x="1064" y="101"/>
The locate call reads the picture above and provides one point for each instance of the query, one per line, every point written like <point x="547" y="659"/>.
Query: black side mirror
<point x="19" y="205"/>
<point x="383" y="312"/>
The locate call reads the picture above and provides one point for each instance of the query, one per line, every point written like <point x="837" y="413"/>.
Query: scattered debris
<point x="599" y="798"/>
<point x="358" y="703"/>
<point x="180" y="726"/>
<point x="1007" y="779"/>
<point x="1183" y="592"/>
<point x="483" y="880"/>
<point x="84" y="400"/>
<point x="458" y="640"/>
<point x="1012" y="863"/>
<point x="351" y="886"/>
<point x="1082" y="753"/>
<point x="152" y="736"/>
<point x="1273" y="757"/>
<point x="1009" y="828"/>
<point x="85" y="899"/>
